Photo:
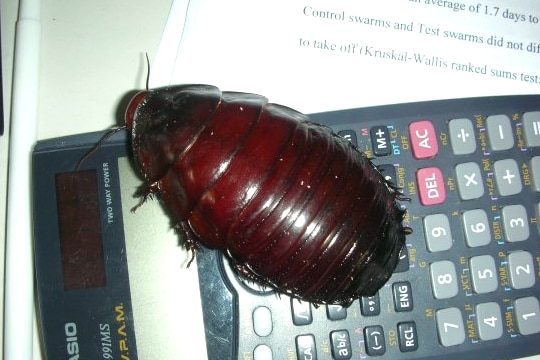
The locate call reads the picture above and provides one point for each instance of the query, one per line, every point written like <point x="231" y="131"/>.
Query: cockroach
<point x="292" y="205"/>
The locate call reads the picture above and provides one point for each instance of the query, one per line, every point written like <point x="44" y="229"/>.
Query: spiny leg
<point x="146" y="192"/>
<point x="190" y="240"/>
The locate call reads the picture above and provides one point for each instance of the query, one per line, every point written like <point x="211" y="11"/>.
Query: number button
<point x="528" y="315"/>
<point x="484" y="274"/>
<point x="516" y="226"/>
<point x="476" y="226"/>
<point x="443" y="279"/>
<point x="438" y="235"/>
<point x="521" y="269"/>
<point x="450" y="327"/>
<point x="489" y="321"/>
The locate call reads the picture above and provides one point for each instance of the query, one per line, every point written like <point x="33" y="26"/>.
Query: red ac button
<point x="423" y="139"/>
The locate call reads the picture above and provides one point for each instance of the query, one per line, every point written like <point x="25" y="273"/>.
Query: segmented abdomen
<point x="291" y="204"/>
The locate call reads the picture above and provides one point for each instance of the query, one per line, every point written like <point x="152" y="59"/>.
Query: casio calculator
<point x="468" y="282"/>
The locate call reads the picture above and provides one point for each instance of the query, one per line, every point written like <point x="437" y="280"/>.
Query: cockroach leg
<point x="145" y="193"/>
<point x="190" y="240"/>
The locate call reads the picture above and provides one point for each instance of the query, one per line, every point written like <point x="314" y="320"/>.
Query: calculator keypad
<point x="469" y="273"/>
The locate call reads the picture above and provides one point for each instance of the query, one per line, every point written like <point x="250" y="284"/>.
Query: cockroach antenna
<point x="113" y="131"/>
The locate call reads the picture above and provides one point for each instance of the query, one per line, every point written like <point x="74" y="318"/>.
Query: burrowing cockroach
<point x="291" y="205"/>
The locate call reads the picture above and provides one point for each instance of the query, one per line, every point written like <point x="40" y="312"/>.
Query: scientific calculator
<point x="468" y="282"/>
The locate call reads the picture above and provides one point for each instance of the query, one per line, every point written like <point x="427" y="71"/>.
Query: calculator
<point x="467" y="285"/>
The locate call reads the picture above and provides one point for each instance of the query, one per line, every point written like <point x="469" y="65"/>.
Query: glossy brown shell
<point x="292" y="205"/>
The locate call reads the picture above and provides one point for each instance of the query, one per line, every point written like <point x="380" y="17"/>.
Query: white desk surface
<point x="92" y="54"/>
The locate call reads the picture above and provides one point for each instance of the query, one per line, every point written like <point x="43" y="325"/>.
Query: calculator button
<point x="388" y="171"/>
<point x="349" y="135"/>
<point x="531" y="126"/>
<point x="443" y="279"/>
<point x="305" y="347"/>
<point x="450" y="327"/>
<point x="262" y="352"/>
<point x="476" y="227"/>
<point x="462" y="136"/>
<point x="370" y="305"/>
<point x="301" y="312"/>
<point x="489" y="321"/>
<point x="423" y="139"/>
<point x="469" y="181"/>
<point x="262" y="321"/>
<point x="484" y="274"/>
<point x="336" y="312"/>
<point x="430" y="186"/>
<point x="402" y="292"/>
<point x="499" y="130"/>
<point x="374" y="340"/>
<point x="403" y="260"/>
<point x="408" y="337"/>
<point x="380" y="140"/>
<point x="534" y="165"/>
<point x="438" y="234"/>
<point x="515" y="224"/>
<point x="341" y="345"/>
<point x="507" y="177"/>
<point x="527" y="312"/>
<point x="521" y="269"/>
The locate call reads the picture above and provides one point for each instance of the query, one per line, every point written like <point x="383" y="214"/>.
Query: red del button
<point x="430" y="186"/>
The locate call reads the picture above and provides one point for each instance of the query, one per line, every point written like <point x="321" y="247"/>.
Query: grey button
<point x="450" y="327"/>
<point x="534" y="165"/>
<point x="262" y="352"/>
<point x="528" y="315"/>
<point x="437" y="232"/>
<point x="507" y="177"/>
<point x="469" y="181"/>
<point x="305" y="347"/>
<point x="462" y="136"/>
<point x="521" y="269"/>
<point x="499" y="131"/>
<point x="484" y="274"/>
<point x="262" y="321"/>
<point x="301" y="312"/>
<point x="443" y="279"/>
<point x="516" y="226"/>
<point x="489" y="321"/>
<point x="476" y="226"/>
<point x="531" y="126"/>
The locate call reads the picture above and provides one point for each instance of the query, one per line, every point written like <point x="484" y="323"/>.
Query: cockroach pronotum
<point x="291" y="205"/>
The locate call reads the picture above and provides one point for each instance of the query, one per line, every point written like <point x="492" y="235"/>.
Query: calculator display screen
<point x="79" y="225"/>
